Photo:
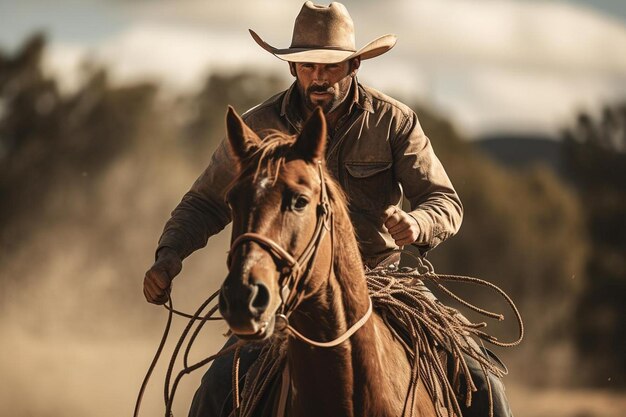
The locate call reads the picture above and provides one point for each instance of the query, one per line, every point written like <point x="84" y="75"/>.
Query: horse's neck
<point x="358" y="377"/>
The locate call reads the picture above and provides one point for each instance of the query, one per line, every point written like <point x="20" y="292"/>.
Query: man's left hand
<point x="403" y="228"/>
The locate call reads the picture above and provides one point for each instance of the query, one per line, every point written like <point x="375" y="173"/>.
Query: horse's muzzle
<point x="242" y="306"/>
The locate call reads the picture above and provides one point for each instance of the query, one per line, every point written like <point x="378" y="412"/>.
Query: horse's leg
<point x="214" y="396"/>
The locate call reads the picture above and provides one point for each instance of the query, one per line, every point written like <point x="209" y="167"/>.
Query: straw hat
<point x="325" y="35"/>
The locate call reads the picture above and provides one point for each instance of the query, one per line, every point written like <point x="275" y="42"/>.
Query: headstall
<point x="294" y="272"/>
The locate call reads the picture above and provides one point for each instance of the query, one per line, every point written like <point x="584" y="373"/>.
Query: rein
<point x="294" y="272"/>
<point x="352" y="330"/>
<point x="391" y="292"/>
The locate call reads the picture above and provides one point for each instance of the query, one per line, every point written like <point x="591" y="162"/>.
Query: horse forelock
<point x="268" y="158"/>
<point x="265" y="160"/>
<point x="271" y="155"/>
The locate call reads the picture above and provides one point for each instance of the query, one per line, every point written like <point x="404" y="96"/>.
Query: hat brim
<point x="328" y="56"/>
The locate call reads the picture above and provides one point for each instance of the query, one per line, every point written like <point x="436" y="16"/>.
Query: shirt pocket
<point x="368" y="184"/>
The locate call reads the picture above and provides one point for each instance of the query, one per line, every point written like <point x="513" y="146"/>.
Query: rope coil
<point x="420" y="322"/>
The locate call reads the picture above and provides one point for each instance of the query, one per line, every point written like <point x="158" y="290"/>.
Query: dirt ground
<point x="74" y="350"/>
<point x="527" y="401"/>
<point x="54" y="376"/>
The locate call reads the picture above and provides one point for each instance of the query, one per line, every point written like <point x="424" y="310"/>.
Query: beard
<point x="328" y="104"/>
<point x="335" y="95"/>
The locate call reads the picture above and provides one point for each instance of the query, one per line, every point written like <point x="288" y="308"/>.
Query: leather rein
<point x="295" y="272"/>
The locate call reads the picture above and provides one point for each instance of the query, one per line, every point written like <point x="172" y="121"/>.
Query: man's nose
<point x="319" y="76"/>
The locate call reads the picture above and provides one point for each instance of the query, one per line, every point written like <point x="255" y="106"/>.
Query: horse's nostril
<point x="259" y="299"/>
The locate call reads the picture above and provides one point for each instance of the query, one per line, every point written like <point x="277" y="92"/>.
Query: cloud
<point x="490" y="64"/>
<point x="484" y="99"/>
<point x="539" y="35"/>
<point x="179" y="58"/>
<point x="64" y="61"/>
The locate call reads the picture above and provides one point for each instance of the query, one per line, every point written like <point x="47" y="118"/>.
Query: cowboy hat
<point x="325" y="35"/>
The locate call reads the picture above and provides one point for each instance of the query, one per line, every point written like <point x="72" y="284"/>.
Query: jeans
<point x="480" y="398"/>
<point x="214" y="397"/>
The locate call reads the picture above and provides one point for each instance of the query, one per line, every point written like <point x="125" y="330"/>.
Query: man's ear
<point x="292" y="68"/>
<point x="355" y="63"/>
<point x="242" y="139"/>
<point x="311" y="142"/>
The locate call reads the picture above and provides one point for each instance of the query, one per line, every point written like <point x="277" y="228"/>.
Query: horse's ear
<point x="242" y="139"/>
<point x="311" y="143"/>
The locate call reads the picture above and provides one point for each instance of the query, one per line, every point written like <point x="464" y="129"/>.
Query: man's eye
<point x="299" y="203"/>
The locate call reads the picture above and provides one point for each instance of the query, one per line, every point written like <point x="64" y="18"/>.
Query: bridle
<point x="295" y="272"/>
<point x="293" y="275"/>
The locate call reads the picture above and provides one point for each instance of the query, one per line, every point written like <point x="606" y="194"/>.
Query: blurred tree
<point x="114" y="145"/>
<point x="48" y="141"/>
<point x="523" y="231"/>
<point x="207" y="109"/>
<point x="596" y="158"/>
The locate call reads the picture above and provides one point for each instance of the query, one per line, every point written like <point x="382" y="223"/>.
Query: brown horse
<point x="294" y="266"/>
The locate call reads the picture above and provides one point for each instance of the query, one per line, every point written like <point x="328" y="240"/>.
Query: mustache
<point x="320" y="89"/>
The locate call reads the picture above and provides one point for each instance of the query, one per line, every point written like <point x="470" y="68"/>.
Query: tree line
<point x="555" y="244"/>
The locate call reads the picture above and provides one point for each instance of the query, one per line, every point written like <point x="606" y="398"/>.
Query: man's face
<point x="324" y="85"/>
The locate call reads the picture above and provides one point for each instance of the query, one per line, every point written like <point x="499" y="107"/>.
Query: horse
<point x="295" y="268"/>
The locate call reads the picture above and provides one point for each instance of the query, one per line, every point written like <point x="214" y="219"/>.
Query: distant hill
<point x="523" y="151"/>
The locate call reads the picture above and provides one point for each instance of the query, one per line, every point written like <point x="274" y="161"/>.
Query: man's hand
<point x="403" y="228"/>
<point x="158" y="279"/>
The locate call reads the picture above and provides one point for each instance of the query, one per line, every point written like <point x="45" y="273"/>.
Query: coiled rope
<point x="417" y="319"/>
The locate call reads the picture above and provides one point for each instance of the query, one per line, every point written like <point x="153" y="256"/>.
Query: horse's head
<point x="280" y="212"/>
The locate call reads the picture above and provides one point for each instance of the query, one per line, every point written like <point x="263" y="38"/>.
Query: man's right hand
<point x="158" y="279"/>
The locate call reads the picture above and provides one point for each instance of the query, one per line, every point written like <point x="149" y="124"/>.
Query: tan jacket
<point x="377" y="151"/>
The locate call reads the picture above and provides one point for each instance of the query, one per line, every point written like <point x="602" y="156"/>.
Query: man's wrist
<point x="166" y="251"/>
<point x="420" y="225"/>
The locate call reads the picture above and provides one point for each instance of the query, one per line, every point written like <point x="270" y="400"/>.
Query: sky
<point x="517" y="66"/>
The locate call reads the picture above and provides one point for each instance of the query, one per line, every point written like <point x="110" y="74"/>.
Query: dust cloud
<point x="90" y="179"/>
<point x="77" y="334"/>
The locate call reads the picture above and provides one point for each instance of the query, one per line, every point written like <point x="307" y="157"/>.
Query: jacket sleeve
<point x="203" y="211"/>
<point x="435" y="204"/>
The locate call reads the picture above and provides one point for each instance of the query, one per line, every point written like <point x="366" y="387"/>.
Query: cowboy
<point x="376" y="150"/>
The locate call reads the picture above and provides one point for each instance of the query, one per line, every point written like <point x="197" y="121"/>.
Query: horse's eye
<point x="299" y="203"/>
